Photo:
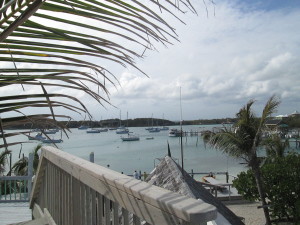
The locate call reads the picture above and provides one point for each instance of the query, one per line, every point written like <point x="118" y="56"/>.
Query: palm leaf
<point x="59" y="56"/>
<point x="3" y="159"/>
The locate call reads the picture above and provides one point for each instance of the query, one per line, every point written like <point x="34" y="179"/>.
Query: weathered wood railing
<point x="77" y="192"/>
<point x="16" y="188"/>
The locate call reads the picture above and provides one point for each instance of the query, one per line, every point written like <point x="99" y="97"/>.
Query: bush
<point x="281" y="179"/>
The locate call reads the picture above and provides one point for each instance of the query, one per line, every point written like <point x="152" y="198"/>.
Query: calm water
<point x="141" y="155"/>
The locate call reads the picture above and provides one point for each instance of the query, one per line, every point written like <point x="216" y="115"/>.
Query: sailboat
<point x="153" y="129"/>
<point x="122" y="129"/>
<point x="83" y="127"/>
<point x="164" y="127"/>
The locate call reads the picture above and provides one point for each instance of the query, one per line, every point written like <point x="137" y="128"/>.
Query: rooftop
<point x="168" y="175"/>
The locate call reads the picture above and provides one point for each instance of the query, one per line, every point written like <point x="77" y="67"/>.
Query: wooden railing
<point x="17" y="188"/>
<point x="74" y="191"/>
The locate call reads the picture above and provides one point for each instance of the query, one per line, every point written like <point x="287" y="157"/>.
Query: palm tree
<point x="36" y="157"/>
<point x="47" y="46"/>
<point x="243" y="140"/>
<point x="275" y="147"/>
<point x="3" y="160"/>
<point x="20" y="168"/>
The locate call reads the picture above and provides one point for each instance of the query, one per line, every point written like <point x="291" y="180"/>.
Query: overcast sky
<point x="235" y="51"/>
<point x="241" y="50"/>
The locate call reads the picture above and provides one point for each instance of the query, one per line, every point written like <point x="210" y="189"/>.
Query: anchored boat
<point x="130" y="137"/>
<point x="52" y="140"/>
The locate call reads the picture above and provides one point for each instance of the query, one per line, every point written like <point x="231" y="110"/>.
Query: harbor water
<point x="142" y="155"/>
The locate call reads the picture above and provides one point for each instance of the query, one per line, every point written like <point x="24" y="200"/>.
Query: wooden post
<point x="30" y="173"/>
<point x="92" y="157"/>
<point x="75" y="202"/>
<point x="125" y="217"/>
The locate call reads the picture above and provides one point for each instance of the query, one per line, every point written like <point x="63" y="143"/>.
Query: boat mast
<point x="152" y="120"/>
<point x="181" y="133"/>
<point x="120" y="119"/>
<point x="127" y="120"/>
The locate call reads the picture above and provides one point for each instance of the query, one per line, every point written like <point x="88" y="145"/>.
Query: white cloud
<point x="222" y="60"/>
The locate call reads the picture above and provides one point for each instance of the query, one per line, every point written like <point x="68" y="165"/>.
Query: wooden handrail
<point x="75" y="191"/>
<point x="14" y="189"/>
<point x="15" y="177"/>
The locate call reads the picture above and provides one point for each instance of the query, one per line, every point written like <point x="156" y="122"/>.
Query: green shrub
<point x="281" y="179"/>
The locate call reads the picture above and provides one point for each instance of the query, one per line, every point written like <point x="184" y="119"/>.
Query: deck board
<point x="14" y="212"/>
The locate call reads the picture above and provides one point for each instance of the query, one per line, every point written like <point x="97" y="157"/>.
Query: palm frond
<point x="270" y="107"/>
<point x="3" y="159"/>
<point x="231" y="143"/>
<point x="275" y="146"/>
<point x="36" y="157"/>
<point x="54" y="43"/>
<point x="20" y="168"/>
<point x="243" y="139"/>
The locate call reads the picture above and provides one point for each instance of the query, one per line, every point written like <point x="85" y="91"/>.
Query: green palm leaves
<point x="3" y="160"/>
<point x="244" y="137"/>
<point x="243" y="140"/>
<point x="54" y="45"/>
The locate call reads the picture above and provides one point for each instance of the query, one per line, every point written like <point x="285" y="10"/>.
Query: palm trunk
<point x="261" y="191"/>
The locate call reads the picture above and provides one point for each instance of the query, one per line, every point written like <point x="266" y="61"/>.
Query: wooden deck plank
<point x="14" y="212"/>
<point x="39" y="221"/>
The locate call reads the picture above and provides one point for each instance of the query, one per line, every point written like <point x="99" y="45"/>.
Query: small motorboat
<point x="211" y="179"/>
<point x="103" y="130"/>
<point x="206" y="177"/>
<point x="130" y="137"/>
<point x="82" y="127"/>
<point x="37" y="137"/>
<point x="154" y="130"/>
<point x="50" y="131"/>
<point x="93" y="131"/>
<point x="52" y="141"/>
<point x="149" y="138"/>
<point x="175" y="133"/>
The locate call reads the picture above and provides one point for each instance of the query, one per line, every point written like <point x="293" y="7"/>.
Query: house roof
<point x="282" y="116"/>
<point x="273" y="122"/>
<point x="168" y="174"/>
<point x="295" y="113"/>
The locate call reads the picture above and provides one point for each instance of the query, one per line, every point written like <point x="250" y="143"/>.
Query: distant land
<point x="291" y="122"/>
<point x="138" y="122"/>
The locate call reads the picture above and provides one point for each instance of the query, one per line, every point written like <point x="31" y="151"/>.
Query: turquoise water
<point x="126" y="157"/>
